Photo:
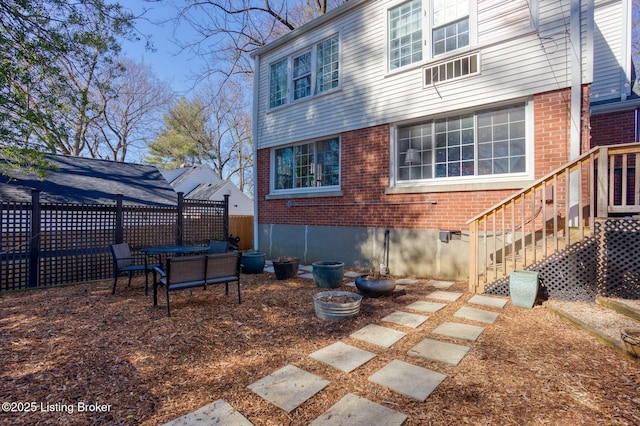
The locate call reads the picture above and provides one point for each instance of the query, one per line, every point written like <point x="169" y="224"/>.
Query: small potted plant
<point x="285" y="267"/>
<point x="253" y="262"/>
<point x="376" y="283"/>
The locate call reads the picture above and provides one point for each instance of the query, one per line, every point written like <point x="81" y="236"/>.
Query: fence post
<point x="225" y="217"/>
<point x="34" y="242"/>
<point x="603" y="182"/>
<point x="180" y="219"/>
<point x="119" y="237"/>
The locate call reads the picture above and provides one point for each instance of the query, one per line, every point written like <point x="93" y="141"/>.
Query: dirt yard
<point x="121" y="361"/>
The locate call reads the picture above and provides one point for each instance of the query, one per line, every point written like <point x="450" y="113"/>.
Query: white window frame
<point x="305" y="189"/>
<point x="446" y="182"/>
<point x="313" y="74"/>
<point x="427" y="35"/>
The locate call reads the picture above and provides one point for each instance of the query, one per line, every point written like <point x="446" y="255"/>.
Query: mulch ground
<point x="121" y="361"/>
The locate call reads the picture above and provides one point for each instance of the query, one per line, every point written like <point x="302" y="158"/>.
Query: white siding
<point x="608" y="69"/>
<point x="516" y="62"/>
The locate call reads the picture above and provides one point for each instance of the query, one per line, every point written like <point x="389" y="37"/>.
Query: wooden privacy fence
<point x="556" y="211"/>
<point x="43" y="245"/>
<point x="242" y="226"/>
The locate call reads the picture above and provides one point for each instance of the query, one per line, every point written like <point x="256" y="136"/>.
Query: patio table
<point x="161" y="252"/>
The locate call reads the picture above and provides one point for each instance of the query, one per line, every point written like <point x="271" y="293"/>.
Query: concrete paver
<point x="378" y="335"/>
<point x="406" y="318"/>
<point x="408" y="379"/>
<point x="489" y="301"/>
<point x="474" y="314"/>
<point x="459" y="331"/>
<point x="435" y="350"/>
<point x="353" y="410"/>
<point x="342" y="356"/>
<point x="425" y="306"/>
<point x="445" y="296"/>
<point x="219" y="412"/>
<point x="288" y="387"/>
<point x="406" y="281"/>
<point x="440" y="284"/>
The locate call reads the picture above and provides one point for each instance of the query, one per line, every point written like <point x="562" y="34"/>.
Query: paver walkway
<point x="290" y="386"/>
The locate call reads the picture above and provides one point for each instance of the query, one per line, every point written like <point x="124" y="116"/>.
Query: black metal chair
<point x="217" y="246"/>
<point x="123" y="261"/>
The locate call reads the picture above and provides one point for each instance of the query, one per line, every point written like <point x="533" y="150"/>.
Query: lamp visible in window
<point x="412" y="156"/>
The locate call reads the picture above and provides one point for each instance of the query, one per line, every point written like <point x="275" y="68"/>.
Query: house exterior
<point x="615" y="92"/>
<point x="200" y="182"/>
<point x="414" y="116"/>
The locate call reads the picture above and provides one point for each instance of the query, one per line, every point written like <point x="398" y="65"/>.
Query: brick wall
<point x="613" y="128"/>
<point x="365" y="175"/>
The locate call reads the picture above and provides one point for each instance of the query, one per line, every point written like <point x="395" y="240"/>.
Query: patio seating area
<point x="81" y="344"/>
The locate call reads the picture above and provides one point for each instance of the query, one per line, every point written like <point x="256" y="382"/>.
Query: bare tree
<point x="131" y="108"/>
<point x="230" y="30"/>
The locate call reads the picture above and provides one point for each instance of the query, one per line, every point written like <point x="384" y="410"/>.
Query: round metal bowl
<point x="336" y="310"/>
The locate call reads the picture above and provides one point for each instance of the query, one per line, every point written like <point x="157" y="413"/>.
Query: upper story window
<point x="415" y="35"/>
<point x="405" y="34"/>
<point x="303" y="75"/>
<point x="490" y="142"/>
<point x="309" y="165"/>
<point x="450" y="29"/>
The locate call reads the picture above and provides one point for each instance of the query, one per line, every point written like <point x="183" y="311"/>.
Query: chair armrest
<point x="159" y="271"/>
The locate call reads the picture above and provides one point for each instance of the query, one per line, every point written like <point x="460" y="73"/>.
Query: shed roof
<point x="91" y="181"/>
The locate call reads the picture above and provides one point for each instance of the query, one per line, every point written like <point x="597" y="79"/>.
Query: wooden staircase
<point x="554" y="213"/>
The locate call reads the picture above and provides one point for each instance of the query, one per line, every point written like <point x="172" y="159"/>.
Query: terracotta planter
<point x="285" y="268"/>
<point x="372" y="287"/>
<point x="336" y="305"/>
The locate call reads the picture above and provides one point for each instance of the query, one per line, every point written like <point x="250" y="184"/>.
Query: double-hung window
<point x="486" y="143"/>
<point x="312" y="72"/>
<point x="308" y="165"/>
<point x="419" y="30"/>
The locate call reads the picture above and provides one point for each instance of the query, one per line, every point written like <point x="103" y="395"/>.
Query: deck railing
<point x="555" y="211"/>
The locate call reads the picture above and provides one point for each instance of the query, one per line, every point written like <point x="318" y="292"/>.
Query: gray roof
<point x="91" y="181"/>
<point x="205" y="191"/>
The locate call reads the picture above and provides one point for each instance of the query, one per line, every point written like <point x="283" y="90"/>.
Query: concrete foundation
<point x="414" y="252"/>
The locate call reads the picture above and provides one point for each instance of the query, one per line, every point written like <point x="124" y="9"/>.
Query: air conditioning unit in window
<point x="452" y="69"/>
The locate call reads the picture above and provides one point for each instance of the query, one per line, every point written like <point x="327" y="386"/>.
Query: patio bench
<point x="186" y="272"/>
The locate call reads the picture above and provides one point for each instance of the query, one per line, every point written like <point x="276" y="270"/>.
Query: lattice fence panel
<point x="14" y="245"/>
<point x="203" y="221"/>
<point x="619" y="258"/>
<point x="569" y="274"/>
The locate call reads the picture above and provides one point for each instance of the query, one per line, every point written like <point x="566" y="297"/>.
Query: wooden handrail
<point x="524" y="217"/>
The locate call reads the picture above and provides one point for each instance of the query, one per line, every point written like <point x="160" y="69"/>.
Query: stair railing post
<point x="603" y="182"/>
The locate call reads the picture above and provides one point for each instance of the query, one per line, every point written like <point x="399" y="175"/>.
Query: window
<point x="405" y="34"/>
<point x="310" y="165"/>
<point x="450" y="25"/>
<point x="491" y="142"/>
<point x="327" y="54"/>
<point x="446" y="29"/>
<point x="312" y="72"/>
<point x="278" y="88"/>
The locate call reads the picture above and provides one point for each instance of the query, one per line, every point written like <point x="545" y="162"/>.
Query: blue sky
<point x="167" y="61"/>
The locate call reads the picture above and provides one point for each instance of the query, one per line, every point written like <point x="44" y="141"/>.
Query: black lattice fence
<point x="47" y="245"/>
<point x="619" y="258"/>
<point x="605" y="264"/>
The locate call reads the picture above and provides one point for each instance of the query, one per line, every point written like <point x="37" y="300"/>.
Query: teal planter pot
<point x="328" y="274"/>
<point x="253" y="262"/>
<point x="523" y="288"/>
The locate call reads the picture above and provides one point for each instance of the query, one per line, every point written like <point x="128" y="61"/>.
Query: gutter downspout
<point x="254" y="143"/>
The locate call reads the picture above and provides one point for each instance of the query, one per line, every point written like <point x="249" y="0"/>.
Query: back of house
<point x="415" y="116"/>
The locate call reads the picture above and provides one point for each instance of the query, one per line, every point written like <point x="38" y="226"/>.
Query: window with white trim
<point x="489" y="142"/>
<point x="413" y="36"/>
<point x="309" y="165"/>
<point x="306" y="74"/>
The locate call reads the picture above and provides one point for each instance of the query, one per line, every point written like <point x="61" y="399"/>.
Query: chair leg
<point x="239" y="298"/>
<point x="115" y="281"/>
<point x="146" y="282"/>
<point x="130" y="276"/>
<point x="168" y="305"/>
